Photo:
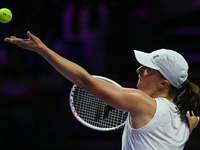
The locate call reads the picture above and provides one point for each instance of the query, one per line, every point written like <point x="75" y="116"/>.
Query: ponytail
<point x="189" y="99"/>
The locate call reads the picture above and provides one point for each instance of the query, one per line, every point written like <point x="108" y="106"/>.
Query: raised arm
<point x="130" y="100"/>
<point x="68" y="69"/>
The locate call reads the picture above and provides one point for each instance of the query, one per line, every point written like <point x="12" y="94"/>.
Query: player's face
<point x="149" y="80"/>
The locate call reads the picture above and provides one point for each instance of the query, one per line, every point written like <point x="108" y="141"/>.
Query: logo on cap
<point x="155" y="56"/>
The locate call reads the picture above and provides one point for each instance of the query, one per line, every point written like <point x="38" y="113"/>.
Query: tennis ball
<point x="5" y="15"/>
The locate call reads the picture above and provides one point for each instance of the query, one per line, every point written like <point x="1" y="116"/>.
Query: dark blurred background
<point x="99" y="35"/>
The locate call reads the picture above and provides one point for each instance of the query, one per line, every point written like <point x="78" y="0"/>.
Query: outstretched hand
<point x="32" y="43"/>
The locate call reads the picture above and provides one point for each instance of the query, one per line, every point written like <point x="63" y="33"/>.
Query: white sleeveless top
<point x="167" y="130"/>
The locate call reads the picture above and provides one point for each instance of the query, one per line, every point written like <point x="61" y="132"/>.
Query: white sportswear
<point x="167" y="130"/>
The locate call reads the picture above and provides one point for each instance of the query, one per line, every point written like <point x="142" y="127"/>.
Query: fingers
<point x="32" y="43"/>
<point x="10" y="39"/>
<point x="17" y="41"/>
<point x="13" y="38"/>
<point x="7" y="40"/>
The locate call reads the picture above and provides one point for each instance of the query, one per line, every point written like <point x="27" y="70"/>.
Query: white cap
<point x="169" y="63"/>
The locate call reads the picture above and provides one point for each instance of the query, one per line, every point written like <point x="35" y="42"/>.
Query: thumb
<point x="30" y="35"/>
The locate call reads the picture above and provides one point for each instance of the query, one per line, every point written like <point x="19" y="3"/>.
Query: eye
<point x="147" y="68"/>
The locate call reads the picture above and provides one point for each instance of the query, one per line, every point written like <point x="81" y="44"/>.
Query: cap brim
<point x="144" y="59"/>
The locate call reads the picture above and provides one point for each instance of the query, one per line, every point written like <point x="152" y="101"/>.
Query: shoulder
<point x="139" y="101"/>
<point x="143" y="109"/>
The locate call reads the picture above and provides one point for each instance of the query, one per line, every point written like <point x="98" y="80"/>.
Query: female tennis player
<point x="155" y="120"/>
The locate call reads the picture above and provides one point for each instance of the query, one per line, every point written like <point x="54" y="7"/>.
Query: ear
<point x="164" y="83"/>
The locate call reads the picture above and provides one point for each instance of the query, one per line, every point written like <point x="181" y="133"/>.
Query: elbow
<point x="86" y="83"/>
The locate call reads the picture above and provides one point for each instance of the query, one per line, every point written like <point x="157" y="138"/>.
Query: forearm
<point x="68" y="69"/>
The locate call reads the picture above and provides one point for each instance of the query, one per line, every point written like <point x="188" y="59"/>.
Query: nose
<point x="140" y="70"/>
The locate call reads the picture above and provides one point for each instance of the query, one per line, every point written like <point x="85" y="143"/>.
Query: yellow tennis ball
<point x="5" y="15"/>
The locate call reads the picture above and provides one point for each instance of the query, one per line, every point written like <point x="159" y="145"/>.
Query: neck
<point x="163" y="95"/>
<point x="159" y="93"/>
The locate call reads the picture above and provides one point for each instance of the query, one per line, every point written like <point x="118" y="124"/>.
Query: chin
<point x="139" y="86"/>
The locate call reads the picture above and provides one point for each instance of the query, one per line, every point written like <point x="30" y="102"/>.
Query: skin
<point x="140" y="103"/>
